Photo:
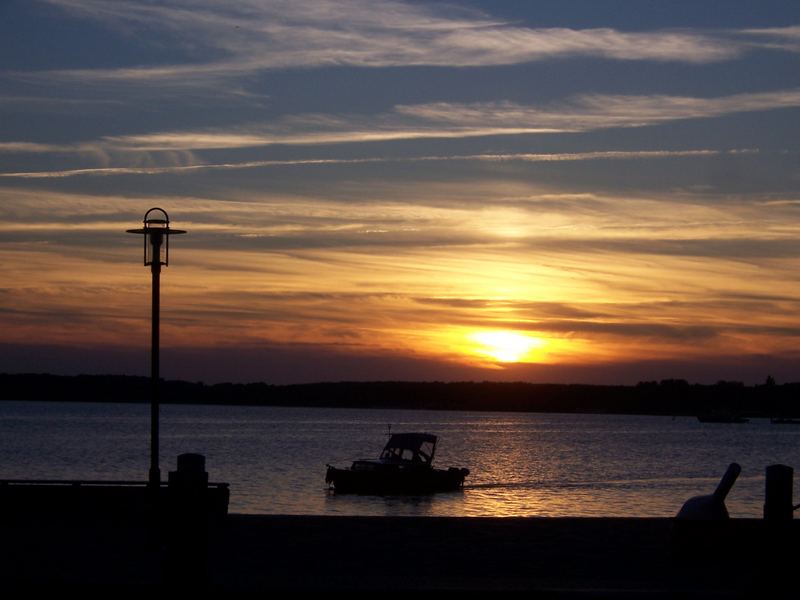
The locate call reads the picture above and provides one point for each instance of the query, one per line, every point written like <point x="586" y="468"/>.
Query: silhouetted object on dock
<point x="189" y="516"/>
<point x="156" y="232"/>
<point x="778" y="504"/>
<point x="780" y="536"/>
<point x="703" y="528"/>
<point x="404" y="467"/>
<point x="711" y="507"/>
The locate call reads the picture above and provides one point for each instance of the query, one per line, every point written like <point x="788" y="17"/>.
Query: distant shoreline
<point x="671" y="397"/>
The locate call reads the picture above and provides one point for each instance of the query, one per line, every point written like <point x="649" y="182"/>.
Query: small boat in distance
<point x="404" y="467"/>
<point x="784" y="421"/>
<point x="722" y="417"/>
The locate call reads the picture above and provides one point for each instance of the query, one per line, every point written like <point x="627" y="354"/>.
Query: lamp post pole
<point x="156" y="234"/>
<point x="154" y="479"/>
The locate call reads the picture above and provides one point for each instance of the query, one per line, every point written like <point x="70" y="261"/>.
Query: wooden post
<point x="188" y="521"/>
<point x="778" y="494"/>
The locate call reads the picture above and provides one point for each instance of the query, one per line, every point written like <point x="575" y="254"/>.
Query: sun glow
<point x="506" y="346"/>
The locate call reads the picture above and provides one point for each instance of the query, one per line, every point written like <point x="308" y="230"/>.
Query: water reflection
<point x="520" y="464"/>
<point x="389" y="506"/>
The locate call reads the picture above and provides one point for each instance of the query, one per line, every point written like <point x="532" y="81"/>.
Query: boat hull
<point x="395" y="481"/>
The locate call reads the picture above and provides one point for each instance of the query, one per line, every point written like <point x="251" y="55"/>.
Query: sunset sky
<point x="551" y="191"/>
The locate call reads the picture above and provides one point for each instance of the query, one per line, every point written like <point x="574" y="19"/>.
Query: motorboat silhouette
<point x="405" y="466"/>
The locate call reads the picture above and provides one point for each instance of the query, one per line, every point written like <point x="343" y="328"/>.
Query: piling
<point x="186" y="565"/>
<point x="778" y="506"/>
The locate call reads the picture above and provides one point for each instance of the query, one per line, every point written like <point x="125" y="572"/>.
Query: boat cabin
<point x="410" y="447"/>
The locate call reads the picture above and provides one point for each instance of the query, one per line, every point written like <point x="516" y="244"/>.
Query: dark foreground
<point x="544" y="557"/>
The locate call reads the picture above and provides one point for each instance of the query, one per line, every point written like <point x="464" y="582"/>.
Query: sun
<point x="506" y="346"/>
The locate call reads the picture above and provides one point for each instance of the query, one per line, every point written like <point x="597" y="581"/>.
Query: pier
<point x="545" y="557"/>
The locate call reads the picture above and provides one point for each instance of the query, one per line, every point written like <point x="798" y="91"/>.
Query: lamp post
<point x="156" y="232"/>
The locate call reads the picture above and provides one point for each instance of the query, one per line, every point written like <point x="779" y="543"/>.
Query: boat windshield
<point x="411" y="447"/>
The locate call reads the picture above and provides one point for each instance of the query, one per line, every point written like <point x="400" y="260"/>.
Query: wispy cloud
<point x="514" y="219"/>
<point x="460" y="120"/>
<point x="421" y="121"/>
<point x="260" y="164"/>
<point x="778" y="38"/>
<point x="34" y="148"/>
<point x="240" y="37"/>
<point x="408" y="270"/>
<point x="601" y="111"/>
<point x="54" y="104"/>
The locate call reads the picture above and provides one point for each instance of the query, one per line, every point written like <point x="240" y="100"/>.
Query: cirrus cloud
<point x="437" y="120"/>
<point x="232" y="39"/>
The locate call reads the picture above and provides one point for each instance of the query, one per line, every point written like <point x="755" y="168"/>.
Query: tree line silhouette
<point x="665" y="397"/>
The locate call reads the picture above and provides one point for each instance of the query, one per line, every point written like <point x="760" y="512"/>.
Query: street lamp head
<point x="156" y="232"/>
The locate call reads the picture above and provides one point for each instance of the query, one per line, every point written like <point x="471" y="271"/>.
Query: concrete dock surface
<point x="544" y="557"/>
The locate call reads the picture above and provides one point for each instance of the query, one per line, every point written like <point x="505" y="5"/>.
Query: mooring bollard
<point x="778" y="504"/>
<point x="187" y="548"/>
<point x="703" y="525"/>
<point x="711" y="507"/>
<point x="191" y="472"/>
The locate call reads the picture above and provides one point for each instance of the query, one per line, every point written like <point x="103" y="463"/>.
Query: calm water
<point x="521" y="464"/>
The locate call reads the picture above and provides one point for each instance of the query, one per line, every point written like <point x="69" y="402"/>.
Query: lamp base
<point x="154" y="480"/>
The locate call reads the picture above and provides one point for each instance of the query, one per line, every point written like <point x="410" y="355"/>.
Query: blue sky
<point x="376" y="182"/>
